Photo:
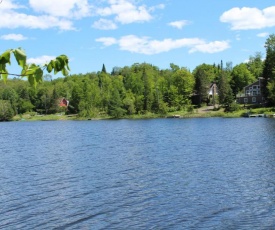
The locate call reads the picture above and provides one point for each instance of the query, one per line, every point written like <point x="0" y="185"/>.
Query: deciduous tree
<point x="6" y="112"/>
<point x="240" y="77"/>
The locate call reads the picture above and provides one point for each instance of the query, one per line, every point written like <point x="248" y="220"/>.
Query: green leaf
<point x="50" y="66"/>
<point x="5" y="77"/>
<point x="24" y="70"/>
<point x="66" y="59"/>
<point x="5" y="57"/>
<point x="32" y="81"/>
<point x="61" y="63"/>
<point x="30" y="69"/>
<point x="34" y="74"/>
<point x="2" y="67"/>
<point x="38" y="75"/>
<point x="65" y="72"/>
<point x="4" y="73"/>
<point x="58" y="64"/>
<point x="20" y="57"/>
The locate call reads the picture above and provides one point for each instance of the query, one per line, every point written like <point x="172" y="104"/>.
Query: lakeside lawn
<point x="196" y="113"/>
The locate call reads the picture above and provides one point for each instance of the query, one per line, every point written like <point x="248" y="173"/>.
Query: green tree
<point x="204" y="74"/>
<point x="147" y="93"/>
<point x="90" y="103"/>
<point x="76" y="97"/>
<point x="174" y="67"/>
<point x="23" y="92"/>
<point x="269" y="69"/>
<point x="271" y="92"/>
<point x="240" y="77"/>
<point x="184" y="82"/>
<point x="225" y="92"/>
<point x="255" y="65"/>
<point x="6" y="112"/>
<point x="44" y="100"/>
<point x="24" y="106"/>
<point x="103" y="69"/>
<point x="115" y="105"/>
<point x="129" y="103"/>
<point x="11" y="95"/>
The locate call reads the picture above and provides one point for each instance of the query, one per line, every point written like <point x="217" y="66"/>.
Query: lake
<point x="203" y="173"/>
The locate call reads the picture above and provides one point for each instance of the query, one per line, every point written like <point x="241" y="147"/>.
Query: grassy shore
<point x="196" y="113"/>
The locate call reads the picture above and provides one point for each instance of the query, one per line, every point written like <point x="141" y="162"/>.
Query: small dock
<point x="256" y="115"/>
<point x="174" y="116"/>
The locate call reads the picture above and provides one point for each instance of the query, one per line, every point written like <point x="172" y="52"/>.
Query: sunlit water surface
<point x="209" y="173"/>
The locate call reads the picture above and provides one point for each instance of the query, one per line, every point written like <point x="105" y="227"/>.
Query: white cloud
<point x="107" y="41"/>
<point x="179" y="24"/>
<point x="104" y="24"/>
<point x="145" y="45"/>
<point x="62" y="8"/>
<point x="263" y="35"/>
<point x="211" y="47"/>
<point x="9" y="5"/>
<point x="40" y="60"/>
<point x="249" y="18"/>
<point x="16" y="20"/>
<point x="11" y="19"/>
<point x="14" y="37"/>
<point x="126" y="12"/>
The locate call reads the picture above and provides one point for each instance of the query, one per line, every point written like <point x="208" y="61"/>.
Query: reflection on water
<point x="138" y="174"/>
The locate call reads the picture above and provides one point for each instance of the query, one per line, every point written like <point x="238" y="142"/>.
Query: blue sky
<point x="123" y="32"/>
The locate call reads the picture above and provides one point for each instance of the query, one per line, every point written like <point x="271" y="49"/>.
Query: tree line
<point x="137" y="89"/>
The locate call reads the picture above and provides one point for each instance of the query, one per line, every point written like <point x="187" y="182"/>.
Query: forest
<point x="141" y="88"/>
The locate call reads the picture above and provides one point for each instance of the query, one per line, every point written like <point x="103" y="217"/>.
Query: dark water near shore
<point x="209" y="173"/>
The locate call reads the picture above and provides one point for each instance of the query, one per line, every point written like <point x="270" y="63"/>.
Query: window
<point x="247" y="92"/>
<point x="245" y="100"/>
<point x="255" y="87"/>
<point x="253" y="99"/>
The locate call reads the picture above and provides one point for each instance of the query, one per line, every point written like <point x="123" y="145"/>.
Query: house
<point x="252" y="94"/>
<point x="210" y="95"/>
<point x="63" y="103"/>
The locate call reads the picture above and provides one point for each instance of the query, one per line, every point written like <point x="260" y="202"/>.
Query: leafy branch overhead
<point x="33" y="72"/>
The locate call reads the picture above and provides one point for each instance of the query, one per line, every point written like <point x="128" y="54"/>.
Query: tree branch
<point x="12" y="74"/>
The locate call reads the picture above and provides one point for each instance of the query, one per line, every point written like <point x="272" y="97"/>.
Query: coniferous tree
<point x="204" y="74"/>
<point x="103" y="69"/>
<point x="269" y="69"/>
<point x="225" y="92"/>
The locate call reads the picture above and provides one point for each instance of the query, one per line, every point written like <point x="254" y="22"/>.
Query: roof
<point x="64" y="103"/>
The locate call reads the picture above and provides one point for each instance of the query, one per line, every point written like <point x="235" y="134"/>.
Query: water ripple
<point x="145" y="174"/>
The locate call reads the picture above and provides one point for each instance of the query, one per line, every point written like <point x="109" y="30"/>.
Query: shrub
<point x="6" y="111"/>
<point x="233" y="107"/>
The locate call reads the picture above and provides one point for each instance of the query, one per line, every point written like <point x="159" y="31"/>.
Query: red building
<point x="64" y="103"/>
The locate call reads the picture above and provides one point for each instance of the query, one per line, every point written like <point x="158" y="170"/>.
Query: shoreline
<point x="204" y="112"/>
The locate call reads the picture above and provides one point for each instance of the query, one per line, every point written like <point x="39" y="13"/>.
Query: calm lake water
<point x="209" y="173"/>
